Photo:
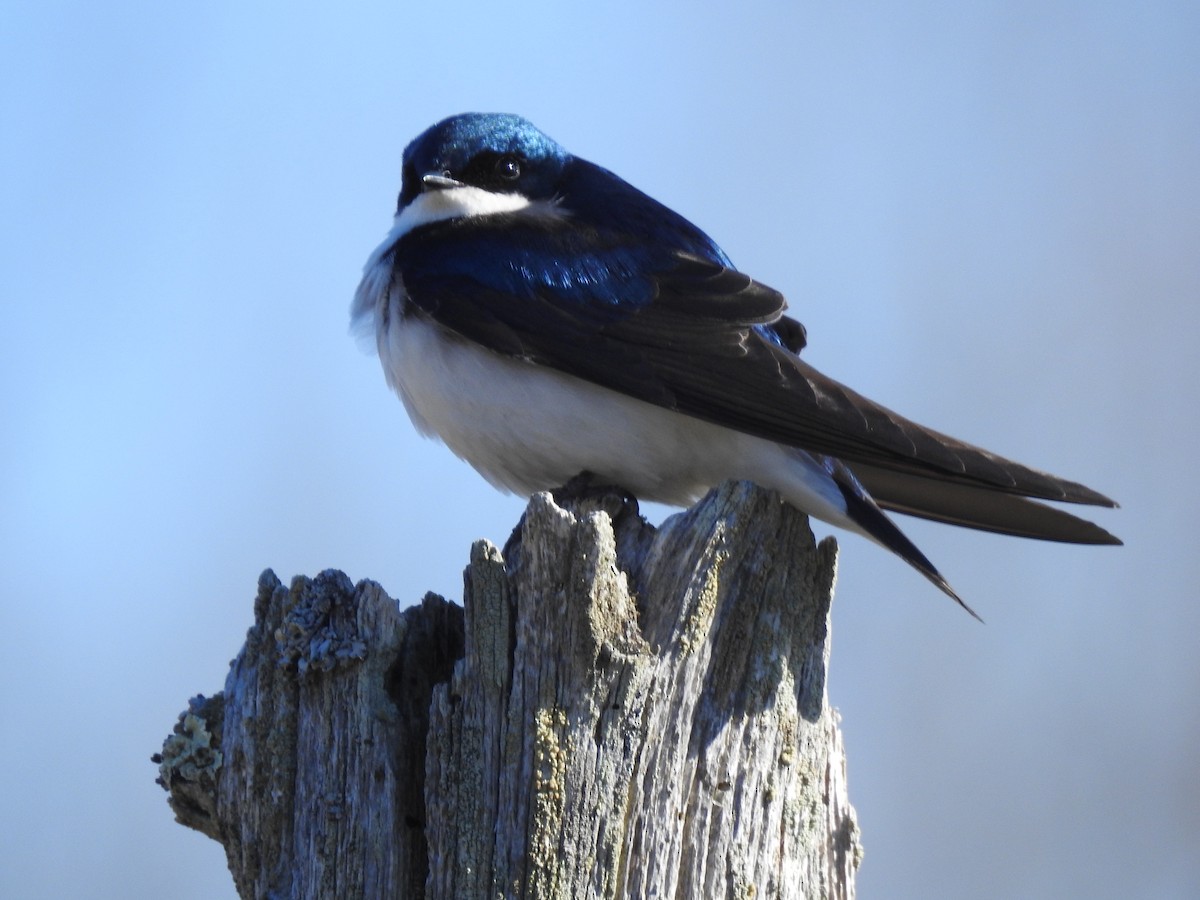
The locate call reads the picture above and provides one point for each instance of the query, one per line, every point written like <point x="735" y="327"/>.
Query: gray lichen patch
<point x="319" y="631"/>
<point x="189" y="753"/>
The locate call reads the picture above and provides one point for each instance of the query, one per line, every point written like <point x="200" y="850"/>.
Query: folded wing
<point x="688" y="333"/>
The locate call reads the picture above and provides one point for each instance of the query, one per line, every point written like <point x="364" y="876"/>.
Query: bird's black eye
<point x="508" y="168"/>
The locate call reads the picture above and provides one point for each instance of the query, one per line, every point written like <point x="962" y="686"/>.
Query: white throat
<point x="454" y="203"/>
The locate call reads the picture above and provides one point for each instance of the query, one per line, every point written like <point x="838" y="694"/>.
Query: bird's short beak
<point x="439" y="182"/>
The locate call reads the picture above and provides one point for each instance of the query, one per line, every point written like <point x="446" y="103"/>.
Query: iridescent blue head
<point x="495" y="152"/>
<point x="497" y="173"/>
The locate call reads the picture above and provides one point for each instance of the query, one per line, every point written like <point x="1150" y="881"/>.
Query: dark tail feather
<point x="863" y="511"/>
<point x="976" y="507"/>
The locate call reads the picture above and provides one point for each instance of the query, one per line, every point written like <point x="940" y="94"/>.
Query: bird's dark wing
<point x="689" y="333"/>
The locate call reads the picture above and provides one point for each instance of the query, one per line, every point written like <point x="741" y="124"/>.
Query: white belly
<point x="527" y="428"/>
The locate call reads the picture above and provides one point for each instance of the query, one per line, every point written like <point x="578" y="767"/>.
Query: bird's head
<point x="479" y="163"/>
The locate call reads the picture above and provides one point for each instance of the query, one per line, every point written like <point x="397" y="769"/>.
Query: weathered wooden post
<point x="621" y="712"/>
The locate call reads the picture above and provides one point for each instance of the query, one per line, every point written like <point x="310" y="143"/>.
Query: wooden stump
<point x="622" y="712"/>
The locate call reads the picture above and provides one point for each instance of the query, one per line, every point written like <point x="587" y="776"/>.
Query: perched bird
<point x="543" y="318"/>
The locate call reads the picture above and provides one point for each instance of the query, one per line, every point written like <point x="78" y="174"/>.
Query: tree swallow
<point x="544" y="318"/>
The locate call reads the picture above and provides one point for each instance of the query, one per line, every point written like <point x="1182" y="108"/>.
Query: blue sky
<point x="986" y="214"/>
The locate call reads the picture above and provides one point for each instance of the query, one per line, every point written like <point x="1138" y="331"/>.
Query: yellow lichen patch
<point x="703" y="604"/>
<point x="550" y="758"/>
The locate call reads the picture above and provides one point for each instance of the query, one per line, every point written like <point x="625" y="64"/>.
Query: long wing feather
<point x="689" y="333"/>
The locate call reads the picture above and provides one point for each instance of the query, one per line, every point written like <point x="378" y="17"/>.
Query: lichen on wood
<point x="618" y="711"/>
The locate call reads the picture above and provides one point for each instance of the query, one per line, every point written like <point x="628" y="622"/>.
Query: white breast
<point x="526" y="428"/>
